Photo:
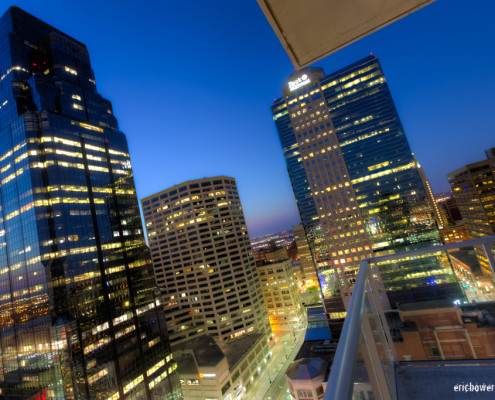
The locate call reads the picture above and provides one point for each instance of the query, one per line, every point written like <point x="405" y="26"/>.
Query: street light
<point x="283" y="347"/>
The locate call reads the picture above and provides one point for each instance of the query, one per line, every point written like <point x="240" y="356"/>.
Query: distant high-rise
<point x="429" y="196"/>
<point x="309" y="276"/>
<point x="449" y="211"/>
<point x="473" y="187"/>
<point x="357" y="185"/>
<point x="203" y="261"/>
<point x="79" y="314"/>
<point x="281" y="295"/>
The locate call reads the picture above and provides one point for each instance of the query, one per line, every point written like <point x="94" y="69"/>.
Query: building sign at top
<point x="299" y="82"/>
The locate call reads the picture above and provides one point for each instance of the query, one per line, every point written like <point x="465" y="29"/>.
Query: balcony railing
<point x="365" y="364"/>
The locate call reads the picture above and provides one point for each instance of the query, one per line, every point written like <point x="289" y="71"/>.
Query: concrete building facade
<point x="281" y="295"/>
<point x="203" y="261"/>
<point x="208" y="372"/>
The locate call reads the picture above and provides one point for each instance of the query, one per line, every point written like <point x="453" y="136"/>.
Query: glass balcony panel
<point x="412" y="348"/>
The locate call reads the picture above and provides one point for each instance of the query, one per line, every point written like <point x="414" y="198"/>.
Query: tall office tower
<point x="79" y="312"/>
<point x="474" y="190"/>
<point x="357" y="185"/>
<point x="309" y="276"/>
<point x="429" y="195"/>
<point x="203" y="261"/>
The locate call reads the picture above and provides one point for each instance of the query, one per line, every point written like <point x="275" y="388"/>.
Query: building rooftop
<point x="318" y="328"/>
<point x="318" y="334"/>
<point x="205" y="349"/>
<point x="426" y="305"/>
<point x="316" y="311"/>
<point x="265" y="263"/>
<point x="481" y="313"/>
<point x="486" y="305"/>
<point x="324" y="349"/>
<point x="467" y="256"/>
<point x="307" y="368"/>
<point x="186" y="364"/>
<point x="199" y="180"/>
<point x="235" y="350"/>
<point x="205" y="352"/>
<point x="20" y="11"/>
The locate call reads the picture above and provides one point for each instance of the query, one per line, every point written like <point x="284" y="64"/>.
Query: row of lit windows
<point x="410" y="165"/>
<point x="65" y="164"/>
<point x="350" y="76"/>
<point x="72" y="251"/>
<point x="67" y="142"/>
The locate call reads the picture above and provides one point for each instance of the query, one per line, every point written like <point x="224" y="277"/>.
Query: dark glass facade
<point x="382" y="169"/>
<point x="80" y="315"/>
<point x="353" y="173"/>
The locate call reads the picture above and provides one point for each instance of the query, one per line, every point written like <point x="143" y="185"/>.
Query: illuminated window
<point x="71" y="71"/>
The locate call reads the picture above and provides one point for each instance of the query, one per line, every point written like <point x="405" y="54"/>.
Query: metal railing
<point x="365" y="360"/>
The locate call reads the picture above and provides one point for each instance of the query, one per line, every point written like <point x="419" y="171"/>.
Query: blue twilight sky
<point x="191" y="84"/>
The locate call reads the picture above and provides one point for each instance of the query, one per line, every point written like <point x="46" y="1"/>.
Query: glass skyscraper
<point x="80" y="316"/>
<point x="357" y="184"/>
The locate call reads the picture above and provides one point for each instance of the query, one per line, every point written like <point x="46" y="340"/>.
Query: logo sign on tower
<point x="299" y="82"/>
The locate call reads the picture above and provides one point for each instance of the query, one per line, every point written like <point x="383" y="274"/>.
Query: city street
<point x="271" y="385"/>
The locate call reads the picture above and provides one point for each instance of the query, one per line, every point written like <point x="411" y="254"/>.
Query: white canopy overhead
<point x="312" y="29"/>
